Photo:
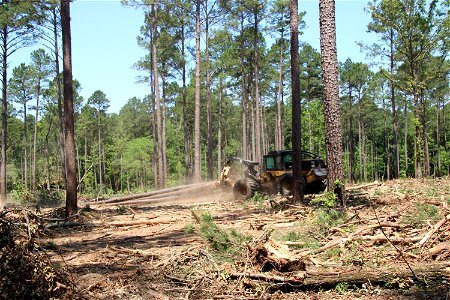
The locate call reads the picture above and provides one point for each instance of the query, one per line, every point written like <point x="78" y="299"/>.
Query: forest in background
<point x="395" y="113"/>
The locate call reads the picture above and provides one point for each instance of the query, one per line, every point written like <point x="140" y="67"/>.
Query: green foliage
<point x="227" y="244"/>
<point x="259" y="199"/>
<point x="305" y="239"/>
<point x="333" y="253"/>
<point x="189" y="228"/>
<point x="327" y="199"/>
<point x="329" y="217"/>
<point x="423" y="212"/>
<point x="341" y="287"/>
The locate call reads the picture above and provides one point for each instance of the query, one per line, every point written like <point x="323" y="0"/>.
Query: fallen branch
<point x="65" y="225"/>
<point x="434" y="229"/>
<point x="270" y="277"/>
<point x="345" y="240"/>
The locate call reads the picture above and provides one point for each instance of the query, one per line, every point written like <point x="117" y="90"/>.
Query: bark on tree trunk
<point x="47" y="155"/>
<point x="187" y="164"/>
<point x="406" y="139"/>
<point x="426" y="158"/>
<point x="163" y="133"/>
<point x="71" y="185"/>
<point x="258" y="153"/>
<point x="296" y="110"/>
<point x="219" y="127"/>
<point x="438" y="136"/>
<point x="59" y="98"/>
<point x="244" y="145"/>
<point x="197" y="150"/>
<point x="25" y="143"/>
<point x="279" y="129"/>
<point x="396" y="151"/>
<point x="209" y="129"/>
<point x="100" y="169"/>
<point x="157" y="100"/>
<point x="386" y="143"/>
<point x="352" y="139"/>
<point x="33" y="164"/>
<point x="4" y="117"/>
<point x="331" y="95"/>
<point x="417" y="138"/>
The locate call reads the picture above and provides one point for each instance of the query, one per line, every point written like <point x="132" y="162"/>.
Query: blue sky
<point x="104" y="46"/>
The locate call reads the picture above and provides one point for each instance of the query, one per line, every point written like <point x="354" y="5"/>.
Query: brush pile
<point x="26" y="271"/>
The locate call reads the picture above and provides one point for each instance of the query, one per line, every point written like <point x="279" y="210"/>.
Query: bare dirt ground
<point x="159" y="248"/>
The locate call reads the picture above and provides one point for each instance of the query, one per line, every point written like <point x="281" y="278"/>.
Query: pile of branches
<point x="27" y="272"/>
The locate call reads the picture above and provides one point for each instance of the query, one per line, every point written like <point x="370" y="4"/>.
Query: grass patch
<point x="423" y="213"/>
<point x="189" y="228"/>
<point x="259" y="199"/>
<point x="305" y="240"/>
<point x="329" y="217"/>
<point x="226" y="244"/>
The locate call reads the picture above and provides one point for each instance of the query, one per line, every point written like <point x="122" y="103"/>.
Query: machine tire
<point x="245" y="188"/>
<point x="286" y="185"/>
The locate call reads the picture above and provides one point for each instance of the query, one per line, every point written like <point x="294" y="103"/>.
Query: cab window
<point x="270" y="163"/>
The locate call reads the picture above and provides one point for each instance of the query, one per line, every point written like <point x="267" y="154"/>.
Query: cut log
<point x="363" y="186"/>
<point x="137" y="202"/>
<point x="274" y="256"/>
<point x="427" y="271"/>
<point x="155" y="193"/>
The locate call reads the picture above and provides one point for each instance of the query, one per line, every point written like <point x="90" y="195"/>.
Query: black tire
<point x="245" y="188"/>
<point x="286" y="185"/>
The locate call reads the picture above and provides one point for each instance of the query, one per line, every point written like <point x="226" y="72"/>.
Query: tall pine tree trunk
<point x="209" y="155"/>
<point x="258" y="154"/>
<point x="219" y="127"/>
<point x="406" y="138"/>
<point x="426" y="158"/>
<point x="36" y="116"/>
<point x="187" y="161"/>
<point x="331" y="95"/>
<point x="296" y="110"/>
<point x="69" y="122"/>
<point x="386" y="143"/>
<point x="157" y="100"/>
<point x="279" y="127"/>
<point x="244" y="145"/>
<point x="438" y="136"/>
<point x="417" y="138"/>
<point x="47" y="155"/>
<point x="197" y="150"/>
<point x="163" y="132"/>
<point x="4" y="117"/>
<point x="352" y="139"/>
<point x="25" y="145"/>
<point x="100" y="169"/>
<point x="396" y="151"/>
